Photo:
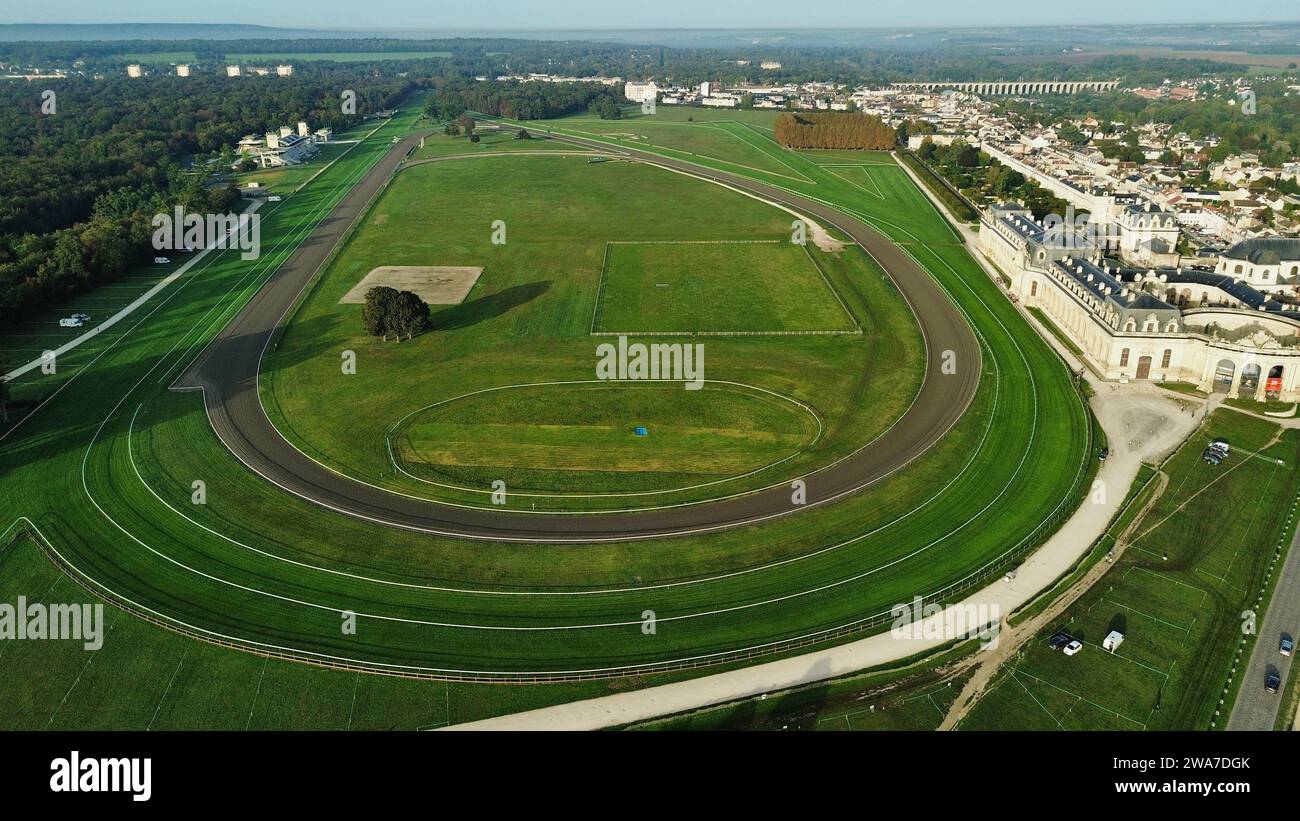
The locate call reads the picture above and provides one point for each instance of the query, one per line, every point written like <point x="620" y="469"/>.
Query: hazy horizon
<point x="594" y="15"/>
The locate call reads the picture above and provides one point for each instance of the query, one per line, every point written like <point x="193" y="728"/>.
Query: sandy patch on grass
<point x="435" y="284"/>
<point x="822" y="238"/>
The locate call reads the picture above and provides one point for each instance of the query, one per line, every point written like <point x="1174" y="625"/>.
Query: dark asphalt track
<point x="227" y="372"/>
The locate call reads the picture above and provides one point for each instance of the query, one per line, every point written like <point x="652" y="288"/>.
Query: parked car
<point x="274" y="198"/>
<point x="1059" y="640"/>
<point x="1272" y="681"/>
<point x="81" y="317"/>
<point x="1102" y="454"/>
<point x="70" y="322"/>
<point x="1073" y="647"/>
<point x="161" y="260"/>
<point x="1286" y="646"/>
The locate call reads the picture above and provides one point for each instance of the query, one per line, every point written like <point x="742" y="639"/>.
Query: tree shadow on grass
<point x="488" y="307"/>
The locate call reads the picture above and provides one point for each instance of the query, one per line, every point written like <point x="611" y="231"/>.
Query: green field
<point x="440" y="145"/>
<point x="585" y="437"/>
<point x="148" y="678"/>
<point x="733" y="140"/>
<point x="715" y="287"/>
<point x="740" y="142"/>
<point x="105" y="469"/>
<point x="1177" y="593"/>
<point x="563" y="269"/>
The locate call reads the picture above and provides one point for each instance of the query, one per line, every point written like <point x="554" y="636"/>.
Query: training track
<point x="227" y="373"/>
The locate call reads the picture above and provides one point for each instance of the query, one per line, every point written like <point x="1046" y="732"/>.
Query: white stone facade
<point x="1201" y="327"/>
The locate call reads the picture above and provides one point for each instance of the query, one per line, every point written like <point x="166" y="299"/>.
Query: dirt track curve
<point x="227" y="372"/>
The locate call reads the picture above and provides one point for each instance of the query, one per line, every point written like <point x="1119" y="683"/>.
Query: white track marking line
<point x="130" y="307"/>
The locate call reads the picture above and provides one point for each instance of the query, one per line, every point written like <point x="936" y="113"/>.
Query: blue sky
<point x="644" y="14"/>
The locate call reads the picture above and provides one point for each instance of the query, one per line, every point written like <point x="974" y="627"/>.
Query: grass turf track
<point x="527" y="321"/>
<point x="1198" y="559"/>
<point x="233" y="362"/>
<point x="980" y="477"/>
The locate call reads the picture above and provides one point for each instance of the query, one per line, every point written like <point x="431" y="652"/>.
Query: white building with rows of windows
<point x="1233" y="327"/>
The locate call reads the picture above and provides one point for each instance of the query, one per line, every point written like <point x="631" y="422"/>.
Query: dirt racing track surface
<point x="227" y="373"/>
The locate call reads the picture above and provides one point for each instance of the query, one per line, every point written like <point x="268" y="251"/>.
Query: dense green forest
<point x="523" y="100"/>
<point x="79" y="185"/>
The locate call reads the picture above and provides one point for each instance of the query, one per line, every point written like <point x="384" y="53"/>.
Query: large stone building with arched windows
<point x="1233" y="327"/>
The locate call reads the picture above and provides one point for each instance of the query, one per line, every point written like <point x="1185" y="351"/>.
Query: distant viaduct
<point x="1019" y="87"/>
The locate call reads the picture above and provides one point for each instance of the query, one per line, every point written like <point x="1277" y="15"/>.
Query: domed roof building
<point x="1268" y="263"/>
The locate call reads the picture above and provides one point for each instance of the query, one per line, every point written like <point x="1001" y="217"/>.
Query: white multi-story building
<point x="182" y="70"/>
<point x="283" y="70"/>
<point x="1211" y="328"/>
<point x="232" y="71"/>
<point x="1148" y="234"/>
<point x="640" y="92"/>
<point x="134" y="70"/>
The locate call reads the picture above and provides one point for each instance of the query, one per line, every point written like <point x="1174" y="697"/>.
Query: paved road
<point x="1255" y="707"/>
<point x="129" y="309"/>
<point x="227" y="372"/>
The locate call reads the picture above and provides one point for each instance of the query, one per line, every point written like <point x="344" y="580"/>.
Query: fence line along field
<point x="265" y="569"/>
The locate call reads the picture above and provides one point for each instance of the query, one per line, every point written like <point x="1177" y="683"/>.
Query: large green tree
<point x="389" y="311"/>
<point x="376" y="312"/>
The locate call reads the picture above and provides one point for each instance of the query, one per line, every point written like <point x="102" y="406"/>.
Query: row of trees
<point x="80" y="182"/>
<point x="517" y="100"/>
<point x="834" y="129"/>
<point x="388" y="311"/>
<point x="982" y="179"/>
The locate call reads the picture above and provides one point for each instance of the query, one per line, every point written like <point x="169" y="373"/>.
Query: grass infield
<point x="105" y="469"/>
<point x="716" y="287"/>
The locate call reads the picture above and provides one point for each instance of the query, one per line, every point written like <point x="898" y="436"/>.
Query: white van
<point x="161" y="260"/>
<point x="274" y="198"/>
<point x="70" y="322"/>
